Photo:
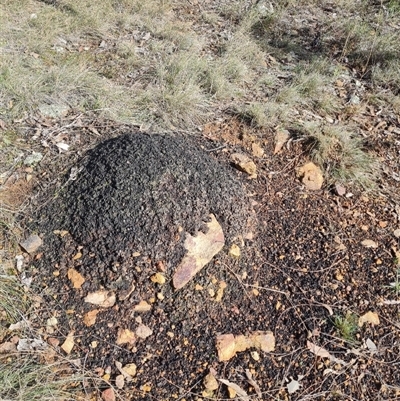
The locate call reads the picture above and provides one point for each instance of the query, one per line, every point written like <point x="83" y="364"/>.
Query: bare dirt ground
<point x="320" y="270"/>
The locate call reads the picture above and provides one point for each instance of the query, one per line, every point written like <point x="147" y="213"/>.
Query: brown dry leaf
<point x="369" y="317"/>
<point x="311" y="176"/>
<point x="200" y="250"/>
<point x="318" y="351"/>
<point x="77" y="256"/>
<point x="143" y="331"/>
<point x="108" y="395"/>
<point x="69" y="343"/>
<point x="103" y="298"/>
<point x="242" y="395"/>
<point x="245" y="164"/>
<point x="369" y="243"/>
<point x="253" y="383"/>
<point x="125" y="336"/>
<point x="89" y="318"/>
<point x="76" y="278"/>
<point x="281" y="137"/>
<point x="142" y="306"/>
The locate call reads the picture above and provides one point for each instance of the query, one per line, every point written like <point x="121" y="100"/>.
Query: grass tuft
<point x="346" y="326"/>
<point x="342" y="154"/>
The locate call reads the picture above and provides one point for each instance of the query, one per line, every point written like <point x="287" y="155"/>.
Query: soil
<point x="304" y="266"/>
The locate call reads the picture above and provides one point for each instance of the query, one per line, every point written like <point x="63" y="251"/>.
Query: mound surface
<point x="138" y="192"/>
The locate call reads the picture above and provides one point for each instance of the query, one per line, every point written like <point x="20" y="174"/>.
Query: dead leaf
<point x="143" y="331"/>
<point x="293" y="386"/>
<point x="77" y="256"/>
<point x="69" y="343"/>
<point x="371" y="345"/>
<point x="200" y="250"/>
<point x="318" y="351"/>
<point x="125" y="336"/>
<point x="76" y="278"/>
<point x="368" y="243"/>
<point x="281" y="137"/>
<point x="108" y="395"/>
<point x="253" y="383"/>
<point x="239" y="391"/>
<point x="103" y="298"/>
<point x="245" y="164"/>
<point x="311" y="176"/>
<point x="89" y="318"/>
<point x="369" y="317"/>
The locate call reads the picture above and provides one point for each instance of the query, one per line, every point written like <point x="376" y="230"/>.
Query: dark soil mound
<point x="136" y="193"/>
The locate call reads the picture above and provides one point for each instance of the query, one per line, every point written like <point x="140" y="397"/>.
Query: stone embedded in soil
<point x="311" y="176"/>
<point x="31" y="244"/>
<point x="245" y="164"/>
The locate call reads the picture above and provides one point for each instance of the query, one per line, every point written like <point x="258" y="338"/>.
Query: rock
<point x="281" y="137"/>
<point x="228" y="344"/>
<point x="142" y="306"/>
<point x="108" y="395"/>
<point x="125" y="336"/>
<point x="245" y="164"/>
<point x="340" y="190"/>
<point x="69" y="343"/>
<point x="89" y="318"/>
<point x="311" y="176"/>
<point x="226" y="347"/>
<point x="257" y="150"/>
<point x="210" y="382"/>
<point x="32" y="243"/>
<point x="200" y="250"/>
<point x="53" y="110"/>
<point x="369" y="317"/>
<point x="369" y="243"/>
<point x="144" y="331"/>
<point x="103" y="298"/>
<point x="76" y="278"/>
<point x="234" y="251"/>
<point x="396" y="233"/>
